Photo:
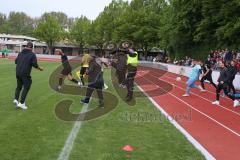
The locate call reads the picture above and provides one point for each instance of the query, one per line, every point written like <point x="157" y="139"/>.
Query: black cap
<point x="29" y="45"/>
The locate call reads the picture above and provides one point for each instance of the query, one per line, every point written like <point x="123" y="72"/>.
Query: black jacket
<point x="25" y="61"/>
<point x="232" y="72"/>
<point x="224" y="75"/>
<point x="95" y="74"/>
<point x="122" y="61"/>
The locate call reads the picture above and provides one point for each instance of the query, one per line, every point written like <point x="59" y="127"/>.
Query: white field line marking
<point x="194" y="142"/>
<point x="201" y="97"/>
<point x="66" y="150"/>
<point x="237" y="134"/>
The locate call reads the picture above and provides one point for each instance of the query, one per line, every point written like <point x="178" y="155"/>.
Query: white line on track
<point x="195" y="143"/>
<point x="232" y="131"/>
<point x="66" y="150"/>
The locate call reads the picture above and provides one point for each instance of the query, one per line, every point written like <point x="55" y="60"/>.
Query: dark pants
<point x="223" y="87"/>
<point x="209" y="79"/>
<point x="25" y="82"/>
<point x="132" y="71"/>
<point x="121" y="74"/>
<point x="231" y="87"/>
<point x="82" y="72"/>
<point x="98" y="86"/>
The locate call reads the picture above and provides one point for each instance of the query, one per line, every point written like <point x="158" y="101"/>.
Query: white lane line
<point x="66" y="150"/>
<point x="232" y="131"/>
<point x="194" y="142"/>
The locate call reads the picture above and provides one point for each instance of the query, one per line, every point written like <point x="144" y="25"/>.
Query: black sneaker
<point x="101" y="105"/>
<point x="84" y="101"/>
<point x="128" y="99"/>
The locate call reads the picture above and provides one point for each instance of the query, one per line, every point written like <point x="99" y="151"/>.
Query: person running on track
<point x="223" y="85"/>
<point x="193" y="77"/>
<point x="207" y="75"/>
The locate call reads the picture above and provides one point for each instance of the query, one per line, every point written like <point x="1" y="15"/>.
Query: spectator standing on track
<point x="24" y="61"/>
<point x="193" y="77"/>
<point x="228" y="56"/>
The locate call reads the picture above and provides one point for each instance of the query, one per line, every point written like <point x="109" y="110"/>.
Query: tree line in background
<point x="182" y="27"/>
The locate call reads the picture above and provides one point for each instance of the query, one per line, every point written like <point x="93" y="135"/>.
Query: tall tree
<point x="60" y="17"/>
<point x="79" y="32"/>
<point x="18" y="23"/>
<point x="49" y="31"/>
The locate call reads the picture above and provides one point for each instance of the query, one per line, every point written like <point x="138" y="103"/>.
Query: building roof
<point x="17" y="37"/>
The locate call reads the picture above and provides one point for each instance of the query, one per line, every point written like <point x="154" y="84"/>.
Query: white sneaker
<point x="23" y="106"/>
<point x="203" y="90"/>
<point x="200" y="87"/>
<point x="105" y="86"/>
<point x="80" y="84"/>
<point x="216" y="103"/>
<point x="236" y="103"/>
<point x="15" y="102"/>
<point x="186" y="95"/>
<point x="59" y="88"/>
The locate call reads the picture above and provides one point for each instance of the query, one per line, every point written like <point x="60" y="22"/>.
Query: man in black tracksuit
<point x="24" y="61"/>
<point x="95" y="81"/>
<point x="223" y="85"/>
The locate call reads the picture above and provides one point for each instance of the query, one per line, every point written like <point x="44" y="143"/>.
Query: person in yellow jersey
<point x="85" y="65"/>
<point x="132" y="62"/>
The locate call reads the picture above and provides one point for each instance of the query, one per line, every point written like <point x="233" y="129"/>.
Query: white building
<point x="16" y="43"/>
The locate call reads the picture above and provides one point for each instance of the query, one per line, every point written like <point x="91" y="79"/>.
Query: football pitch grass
<point x="37" y="133"/>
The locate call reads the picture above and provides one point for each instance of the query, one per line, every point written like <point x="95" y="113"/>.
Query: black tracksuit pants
<point x="98" y="86"/>
<point x="132" y="71"/>
<point x="231" y="86"/>
<point x="121" y="74"/>
<point x="24" y="82"/>
<point x="209" y="79"/>
<point x="223" y="87"/>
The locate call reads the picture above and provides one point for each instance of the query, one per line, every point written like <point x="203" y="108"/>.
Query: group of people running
<point x="225" y="80"/>
<point x="91" y="65"/>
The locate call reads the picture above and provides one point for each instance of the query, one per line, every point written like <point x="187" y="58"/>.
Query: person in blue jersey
<point x="193" y="77"/>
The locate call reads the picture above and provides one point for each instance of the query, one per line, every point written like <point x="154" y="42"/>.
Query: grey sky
<point x="73" y="8"/>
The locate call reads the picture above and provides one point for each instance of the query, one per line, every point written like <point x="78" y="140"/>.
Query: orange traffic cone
<point x="127" y="148"/>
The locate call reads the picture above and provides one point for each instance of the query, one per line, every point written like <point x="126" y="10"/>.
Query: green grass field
<point x="37" y="133"/>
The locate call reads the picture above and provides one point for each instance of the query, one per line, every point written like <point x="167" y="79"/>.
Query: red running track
<point x="216" y="128"/>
